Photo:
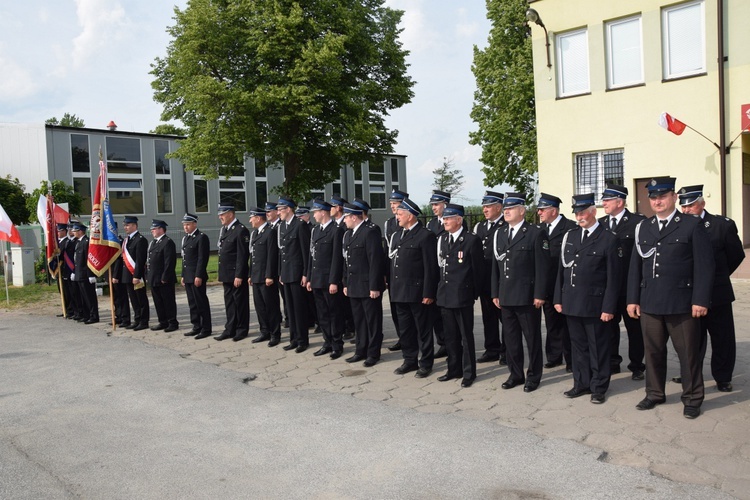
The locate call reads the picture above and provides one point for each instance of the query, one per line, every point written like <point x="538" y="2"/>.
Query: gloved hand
<point x="92" y="280"/>
<point x="72" y="277"/>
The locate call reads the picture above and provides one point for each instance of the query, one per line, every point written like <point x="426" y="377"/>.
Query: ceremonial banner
<point x="51" y="238"/>
<point x="104" y="245"/>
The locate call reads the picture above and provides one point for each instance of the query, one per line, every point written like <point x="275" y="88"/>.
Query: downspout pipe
<point x="723" y="149"/>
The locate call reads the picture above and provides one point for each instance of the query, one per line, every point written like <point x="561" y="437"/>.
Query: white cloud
<point x="101" y="22"/>
<point x="417" y="36"/>
<point x="16" y="83"/>
<point x="465" y="28"/>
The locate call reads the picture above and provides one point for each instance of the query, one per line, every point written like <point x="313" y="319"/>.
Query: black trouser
<point x="139" y="302"/>
<point x="70" y="297"/>
<point x="439" y="329"/>
<point x="492" y="322"/>
<point x="165" y="305"/>
<point x="589" y="338"/>
<point x="122" y="307"/>
<point x="237" y="306"/>
<point x="519" y="323"/>
<point x="295" y="300"/>
<point x="635" y="338"/>
<point x="416" y="322"/>
<point x="87" y="292"/>
<point x="329" y="317"/>
<point x="200" y="309"/>
<point x="367" y="314"/>
<point x="685" y="332"/>
<point x="459" y="341"/>
<point x="557" y="343"/>
<point x="719" y="323"/>
<point x="268" y="309"/>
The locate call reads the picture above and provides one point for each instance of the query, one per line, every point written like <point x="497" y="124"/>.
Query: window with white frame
<point x="232" y="190"/>
<point x="79" y="154"/>
<point x="596" y="168"/>
<point x="572" y="63"/>
<point x="200" y="195"/>
<point x="125" y="175"/>
<point x="624" y="52"/>
<point x="683" y="40"/>
<point x="358" y="189"/>
<point x="261" y="181"/>
<point x="376" y="177"/>
<point x="394" y="173"/>
<point x="163" y="177"/>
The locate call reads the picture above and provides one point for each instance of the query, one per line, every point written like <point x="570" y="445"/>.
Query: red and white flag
<point x="671" y="123"/>
<point x="8" y="231"/>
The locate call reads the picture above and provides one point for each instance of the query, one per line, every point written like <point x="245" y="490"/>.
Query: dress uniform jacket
<point x="461" y="267"/>
<point x="294" y="250"/>
<point x="264" y="255"/>
<point x="120" y="290"/>
<point x="520" y="269"/>
<point x="326" y="263"/>
<point x="87" y="291"/>
<point x="137" y="247"/>
<point x="160" y="269"/>
<point x="233" y="253"/>
<point x="81" y="270"/>
<point x="66" y="265"/>
<point x="414" y="271"/>
<point x="625" y="232"/>
<point x="491" y="315"/>
<point x="363" y="262"/>
<point x="728" y="255"/>
<point x="195" y="253"/>
<point x="555" y="246"/>
<point x="485" y="231"/>
<point x="672" y="270"/>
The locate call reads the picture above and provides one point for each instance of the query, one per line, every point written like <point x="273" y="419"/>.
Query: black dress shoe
<point x="261" y="338"/>
<point x="395" y="347"/>
<point x="91" y="321"/>
<point x="321" y="351"/>
<point x="336" y="354"/>
<point x="724" y="386"/>
<point x="369" y="362"/>
<point x="568" y="369"/>
<point x="649" y="404"/>
<point x="423" y="372"/>
<point x="503" y="360"/>
<point x="637" y="375"/>
<point x="355" y="358"/>
<point x="691" y="412"/>
<point x="441" y="353"/>
<point x="238" y="337"/>
<point x="171" y="328"/>
<point x="530" y="386"/>
<point x="576" y="393"/>
<point x="131" y="326"/>
<point x="224" y="336"/>
<point x="138" y="328"/>
<point x="467" y="382"/>
<point x="348" y="336"/>
<point x="301" y="348"/>
<point x="191" y="333"/>
<point x="202" y="335"/>
<point x="123" y="325"/>
<point x="158" y="327"/>
<point x="290" y="346"/>
<point x="274" y="342"/>
<point x="510" y="383"/>
<point x="677" y="380"/>
<point x="552" y="364"/>
<point x="597" y="398"/>
<point x="404" y="369"/>
<point x="447" y="377"/>
<point x="82" y="320"/>
<point x="488" y="358"/>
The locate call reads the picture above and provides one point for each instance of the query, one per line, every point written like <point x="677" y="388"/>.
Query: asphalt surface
<point x="87" y="415"/>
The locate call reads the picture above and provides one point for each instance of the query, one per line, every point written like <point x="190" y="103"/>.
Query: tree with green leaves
<point x="305" y="85"/>
<point x="504" y="108"/>
<point x="61" y="193"/>
<point x="447" y="178"/>
<point x="68" y="120"/>
<point x="169" y="129"/>
<point x="13" y="198"/>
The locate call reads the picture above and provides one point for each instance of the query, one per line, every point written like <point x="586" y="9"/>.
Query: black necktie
<point x="663" y="224"/>
<point x="510" y="235"/>
<point x="585" y="235"/>
<point x="612" y="223"/>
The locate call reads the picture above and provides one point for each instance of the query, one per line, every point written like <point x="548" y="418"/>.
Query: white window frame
<point x="612" y="56"/>
<point x="562" y="56"/>
<point x="80" y="176"/>
<point x="668" y="30"/>
<point x="165" y="177"/>
<point x="208" y="194"/>
<point x="114" y="177"/>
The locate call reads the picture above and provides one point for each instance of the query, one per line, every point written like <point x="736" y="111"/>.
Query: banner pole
<point x="6" y="247"/>
<point x="111" y="298"/>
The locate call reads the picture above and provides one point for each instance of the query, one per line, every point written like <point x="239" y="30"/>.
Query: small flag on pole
<point x="8" y="231"/>
<point x="671" y="123"/>
<point x="104" y="245"/>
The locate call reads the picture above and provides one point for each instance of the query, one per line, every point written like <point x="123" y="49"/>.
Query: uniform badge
<point x="707" y="224"/>
<point x="545" y="244"/>
<point x="677" y="218"/>
<point x="460" y="256"/>
<point x="653" y="182"/>
<point x="247" y="239"/>
<point x="619" y="251"/>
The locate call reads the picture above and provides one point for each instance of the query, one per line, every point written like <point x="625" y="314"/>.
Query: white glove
<point x="72" y="277"/>
<point x="92" y="280"/>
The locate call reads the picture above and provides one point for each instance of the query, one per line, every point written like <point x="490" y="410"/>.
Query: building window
<point x="79" y="152"/>
<point x="261" y="193"/>
<point x="377" y="197"/>
<point x="593" y="170"/>
<point x="126" y="196"/>
<point x="358" y="189"/>
<point x="260" y="167"/>
<point x="336" y="188"/>
<point x="200" y="195"/>
<point x="683" y="40"/>
<point x="394" y="172"/>
<point x="572" y="63"/>
<point x="161" y="149"/>
<point x="624" y="53"/>
<point x="376" y="177"/>
<point x="232" y="192"/>
<point x="82" y="186"/>
<point x="124" y="155"/>
<point x="163" y="177"/>
<point x="164" y="196"/>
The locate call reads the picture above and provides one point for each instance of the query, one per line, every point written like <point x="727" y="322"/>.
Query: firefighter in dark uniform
<point x="325" y="268"/>
<point x="120" y="292"/>
<point x="556" y="225"/>
<point x="69" y="256"/>
<point x="303" y="214"/>
<point x="234" y="241"/>
<point x="414" y="276"/>
<point x="586" y="292"/>
<point x="728" y="255"/>
<point x="195" y="253"/>
<point x="161" y="276"/>
<point x="337" y="214"/>
<point x="669" y="287"/>
<point x="621" y="221"/>
<point x="461" y="265"/>
<point x="134" y="255"/>
<point x="293" y="238"/>
<point x="390" y="227"/>
<point x="438" y="201"/>
<point x="264" y="277"/>
<point x="494" y="348"/>
<point x="520" y="272"/>
<point x="84" y="278"/>
<point x="64" y="270"/>
<point x="364" y="284"/>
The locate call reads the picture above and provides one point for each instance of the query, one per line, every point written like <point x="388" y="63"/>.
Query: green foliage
<point x="169" y="129"/>
<point x="61" y="193"/>
<point x="68" y="120"/>
<point x="35" y="295"/>
<point x="504" y="108"/>
<point x="448" y="179"/>
<point x="306" y="85"/>
<point x="13" y="199"/>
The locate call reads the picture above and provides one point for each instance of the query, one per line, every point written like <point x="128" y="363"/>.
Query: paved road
<point x="88" y="415"/>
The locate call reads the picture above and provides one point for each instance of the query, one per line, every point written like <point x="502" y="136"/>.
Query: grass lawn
<point x="25" y="296"/>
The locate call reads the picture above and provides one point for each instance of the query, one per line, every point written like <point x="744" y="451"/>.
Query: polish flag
<point x="672" y="124"/>
<point x="8" y="231"/>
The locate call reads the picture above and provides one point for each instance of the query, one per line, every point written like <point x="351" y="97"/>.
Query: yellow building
<point x="616" y="66"/>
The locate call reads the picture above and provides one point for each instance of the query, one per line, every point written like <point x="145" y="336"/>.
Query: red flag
<point x="104" y="245"/>
<point x="50" y="231"/>
<point x="672" y="124"/>
<point x="8" y="231"/>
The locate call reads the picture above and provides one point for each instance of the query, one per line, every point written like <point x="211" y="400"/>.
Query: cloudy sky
<point x="92" y="58"/>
